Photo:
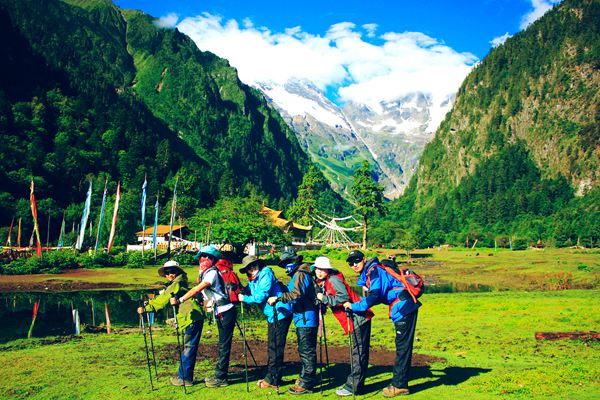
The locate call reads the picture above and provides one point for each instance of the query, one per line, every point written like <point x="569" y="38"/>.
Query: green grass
<point x="487" y="340"/>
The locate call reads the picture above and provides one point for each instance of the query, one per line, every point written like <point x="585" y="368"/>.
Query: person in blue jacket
<point x="383" y="288"/>
<point x="302" y="295"/>
<point x="262" y="284"/>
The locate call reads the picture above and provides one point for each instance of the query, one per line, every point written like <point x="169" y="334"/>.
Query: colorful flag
<point x="36" y="229"/>
<point x="61" y="237"/>
<point x="19" y="234"/>
<point x="101" y="218"/>
<point x="84" y="218"/>
<point x="144" y="203"/>
<point x="173" y="203"/>
<point x="113" y="227"/>
<point x="155" y="223"/>
<point x="10" y="232"/>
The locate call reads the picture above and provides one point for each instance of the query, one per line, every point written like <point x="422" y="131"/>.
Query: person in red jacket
<point x="336" y="292"/>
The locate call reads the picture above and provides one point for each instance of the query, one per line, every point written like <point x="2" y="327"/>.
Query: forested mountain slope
<point x="90" y="91"/>
<point x="521" y="145"/>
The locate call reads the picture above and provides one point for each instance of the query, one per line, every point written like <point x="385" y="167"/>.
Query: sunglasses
<point x="207" y="256"/>
<point x="354" y="262"/>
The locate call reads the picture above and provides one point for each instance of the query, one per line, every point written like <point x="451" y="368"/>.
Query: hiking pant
<point x="307" y="350"/>
<point x="226" y="325"/>
<point x="277" y="335"/>
<point x="361" y="341"/>
<point x="191" y="339"/>
<point x="405" y="335"/>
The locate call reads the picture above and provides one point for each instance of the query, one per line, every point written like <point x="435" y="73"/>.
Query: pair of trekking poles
<point x="142" y="324"/>
<point x="180" y="345"/>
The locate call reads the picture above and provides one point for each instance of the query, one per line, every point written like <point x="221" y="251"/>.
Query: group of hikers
<point x="312" y="288"/>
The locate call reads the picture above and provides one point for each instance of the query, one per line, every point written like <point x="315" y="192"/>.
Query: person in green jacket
<point x="190" y="319"/>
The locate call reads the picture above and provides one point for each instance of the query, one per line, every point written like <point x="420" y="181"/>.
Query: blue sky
<point x="366" y="51"/>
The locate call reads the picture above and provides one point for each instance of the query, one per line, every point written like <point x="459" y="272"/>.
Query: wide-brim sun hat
<point x="170" y="265"/>
<point x="323" y="263"/>
<point x="251" y="261"/>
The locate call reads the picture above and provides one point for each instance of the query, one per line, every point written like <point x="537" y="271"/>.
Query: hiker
<point x="190" y="319"/>
<point x="382" y="287"/>
<point x="217" y="304"/>
<point x="302" y="296"/>
<point x="337" y="292"/>
<point x="263" y="284"/>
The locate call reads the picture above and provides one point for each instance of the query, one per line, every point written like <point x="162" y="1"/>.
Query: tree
<point x="305" y="205"/>
<point x="368" y="196"/>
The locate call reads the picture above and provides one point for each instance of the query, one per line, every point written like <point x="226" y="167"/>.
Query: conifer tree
<point x="368" y="196"/>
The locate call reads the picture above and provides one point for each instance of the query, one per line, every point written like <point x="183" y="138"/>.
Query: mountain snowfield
<point x="389" y="134"/>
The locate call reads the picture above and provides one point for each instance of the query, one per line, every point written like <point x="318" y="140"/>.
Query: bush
<point x="519" y="244"/>
<point x="186" y="259"/>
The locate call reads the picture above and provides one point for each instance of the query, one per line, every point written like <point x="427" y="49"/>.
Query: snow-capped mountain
<point x="391" y="135"/>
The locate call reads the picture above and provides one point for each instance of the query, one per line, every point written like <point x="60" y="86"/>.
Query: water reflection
<point x="55" y="313"/>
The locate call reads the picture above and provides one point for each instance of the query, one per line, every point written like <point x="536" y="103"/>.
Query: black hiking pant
<point x="405" y="335"/>
<point x="307" y="350"/>
<point x="277" y="335"/>
<point x="361" y="341"/>
<point x="226" y="325"/>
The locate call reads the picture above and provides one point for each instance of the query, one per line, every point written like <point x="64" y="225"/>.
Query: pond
<point x="55" y="311"/>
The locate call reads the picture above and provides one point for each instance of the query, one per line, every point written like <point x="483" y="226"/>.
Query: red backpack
<point x="412" y="282"/>
<point x="230" y="278"/>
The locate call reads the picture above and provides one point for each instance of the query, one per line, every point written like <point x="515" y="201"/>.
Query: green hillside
<point x="519" y="154"/>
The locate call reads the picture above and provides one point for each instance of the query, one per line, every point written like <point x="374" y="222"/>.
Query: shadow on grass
<point x="335" y="376"/>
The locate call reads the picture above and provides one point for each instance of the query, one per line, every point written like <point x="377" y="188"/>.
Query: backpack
<point x="230" y="279"/>
<point x="412" y="282"/>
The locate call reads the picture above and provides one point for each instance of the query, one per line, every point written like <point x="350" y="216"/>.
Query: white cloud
<point x="167" y="21"/>
<point x="497" y="41"/>
<point x="341" y="59"/>
<point x="540" y="7"/>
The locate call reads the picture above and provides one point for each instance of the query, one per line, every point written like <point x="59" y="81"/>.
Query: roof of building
<point x="160" y="230"/>
<point x="282" y="223"/>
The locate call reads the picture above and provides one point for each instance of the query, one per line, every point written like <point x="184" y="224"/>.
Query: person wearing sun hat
<point x="190" y="319"/>
<point x="216" y="301"/>
<point x="263" y="284"/>
<point x="336" y="292"/>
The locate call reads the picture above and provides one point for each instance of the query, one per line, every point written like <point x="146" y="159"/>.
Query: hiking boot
<point x="214" y="382"/>
<point x="177" y="381"/>
<point x="393" y="391"/>
<point x="344" y="391"/>
<point x="297" y="389"/>
<point x="264" y="384"/>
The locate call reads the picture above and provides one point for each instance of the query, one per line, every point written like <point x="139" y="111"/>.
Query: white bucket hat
<point x="323" y="263"/>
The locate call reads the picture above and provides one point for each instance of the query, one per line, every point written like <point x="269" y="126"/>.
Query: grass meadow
<point x="481" y="344"/>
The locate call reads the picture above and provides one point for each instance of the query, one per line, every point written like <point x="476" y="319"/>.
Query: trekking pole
<point x="321" y="347"/>
<point x="245" y="352"/>
<point x="276" y="328"/>
<point x="246" y="343"/>
<point x="178" y="342"/>
<point x="151" y="343"/>
<point x="348" y="319"/>
<point x="326" y="349"/>
<point x="146" y="347"/>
